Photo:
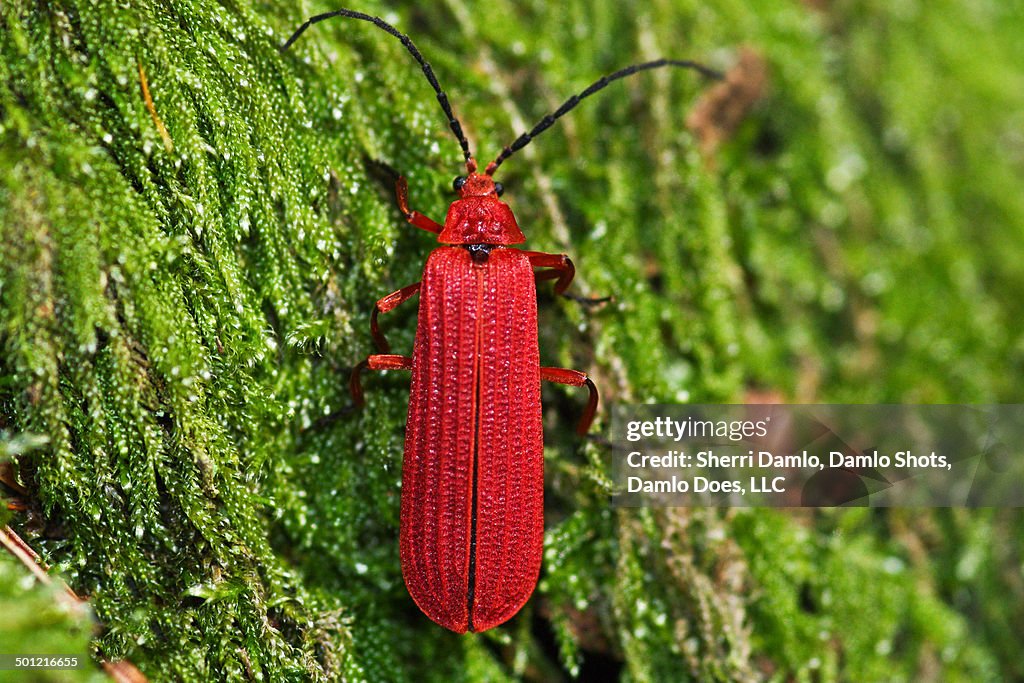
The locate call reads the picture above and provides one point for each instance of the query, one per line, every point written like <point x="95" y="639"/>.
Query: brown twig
<point x="168" y="143"/>
<point x="8" y="477"/>
<point x="721" y="110"/>
<point x="122" y="671"/>
<point x="28" y="557"/>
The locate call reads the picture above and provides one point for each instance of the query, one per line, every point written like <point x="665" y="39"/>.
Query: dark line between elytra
<point x="471" y="588"/>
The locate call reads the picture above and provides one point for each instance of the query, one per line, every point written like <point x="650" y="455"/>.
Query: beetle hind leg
<point x="378" y="361"/>
<point x="375" y="362"/>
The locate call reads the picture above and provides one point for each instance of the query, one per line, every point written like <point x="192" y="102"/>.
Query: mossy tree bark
<point x="193" y="237"/>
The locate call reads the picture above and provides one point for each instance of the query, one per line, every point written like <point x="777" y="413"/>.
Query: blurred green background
<point x="185" y="282"/>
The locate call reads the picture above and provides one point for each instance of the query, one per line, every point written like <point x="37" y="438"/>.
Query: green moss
<point x="177" y="316"/>
<point x="41" y="620"/>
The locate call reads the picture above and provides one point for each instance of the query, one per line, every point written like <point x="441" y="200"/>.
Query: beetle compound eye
<point x="499" y="188"/>
<point x="458" y="183"/>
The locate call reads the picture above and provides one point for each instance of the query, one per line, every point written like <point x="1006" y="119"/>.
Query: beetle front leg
<point x="414" y="217"/>
<point x="561" y="269"/>
<point x="378" y="361"/>
<point x="560" y="265"/>
<point x="577" y="379"/>
<point x="385" y="304"/>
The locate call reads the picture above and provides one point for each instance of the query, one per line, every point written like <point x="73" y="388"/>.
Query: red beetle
<point x="472" y="520"/>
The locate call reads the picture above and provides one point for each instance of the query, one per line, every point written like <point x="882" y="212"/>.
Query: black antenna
<point x="407" y="42"/>
<point x="570" y="103"/>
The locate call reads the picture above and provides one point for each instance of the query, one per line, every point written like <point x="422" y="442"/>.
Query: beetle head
<point x="478" y="216"/>
<point x="477" y="185"/>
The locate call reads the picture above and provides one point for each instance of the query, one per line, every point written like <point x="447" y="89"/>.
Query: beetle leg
<point x="562" y="269"/>
<point x="588" y="300"/>
<point x="577" y="379"/>
<point x="378" y="361"/>
<point x="414" y="217"/>
<point x="543" y="275"/>
<point x="384" y="305"/>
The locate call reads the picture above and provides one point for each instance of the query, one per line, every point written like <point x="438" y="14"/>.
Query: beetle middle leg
<point x="575" y="378"/>
<point x="378" y="361"/>
<point x="385" y="304"/>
